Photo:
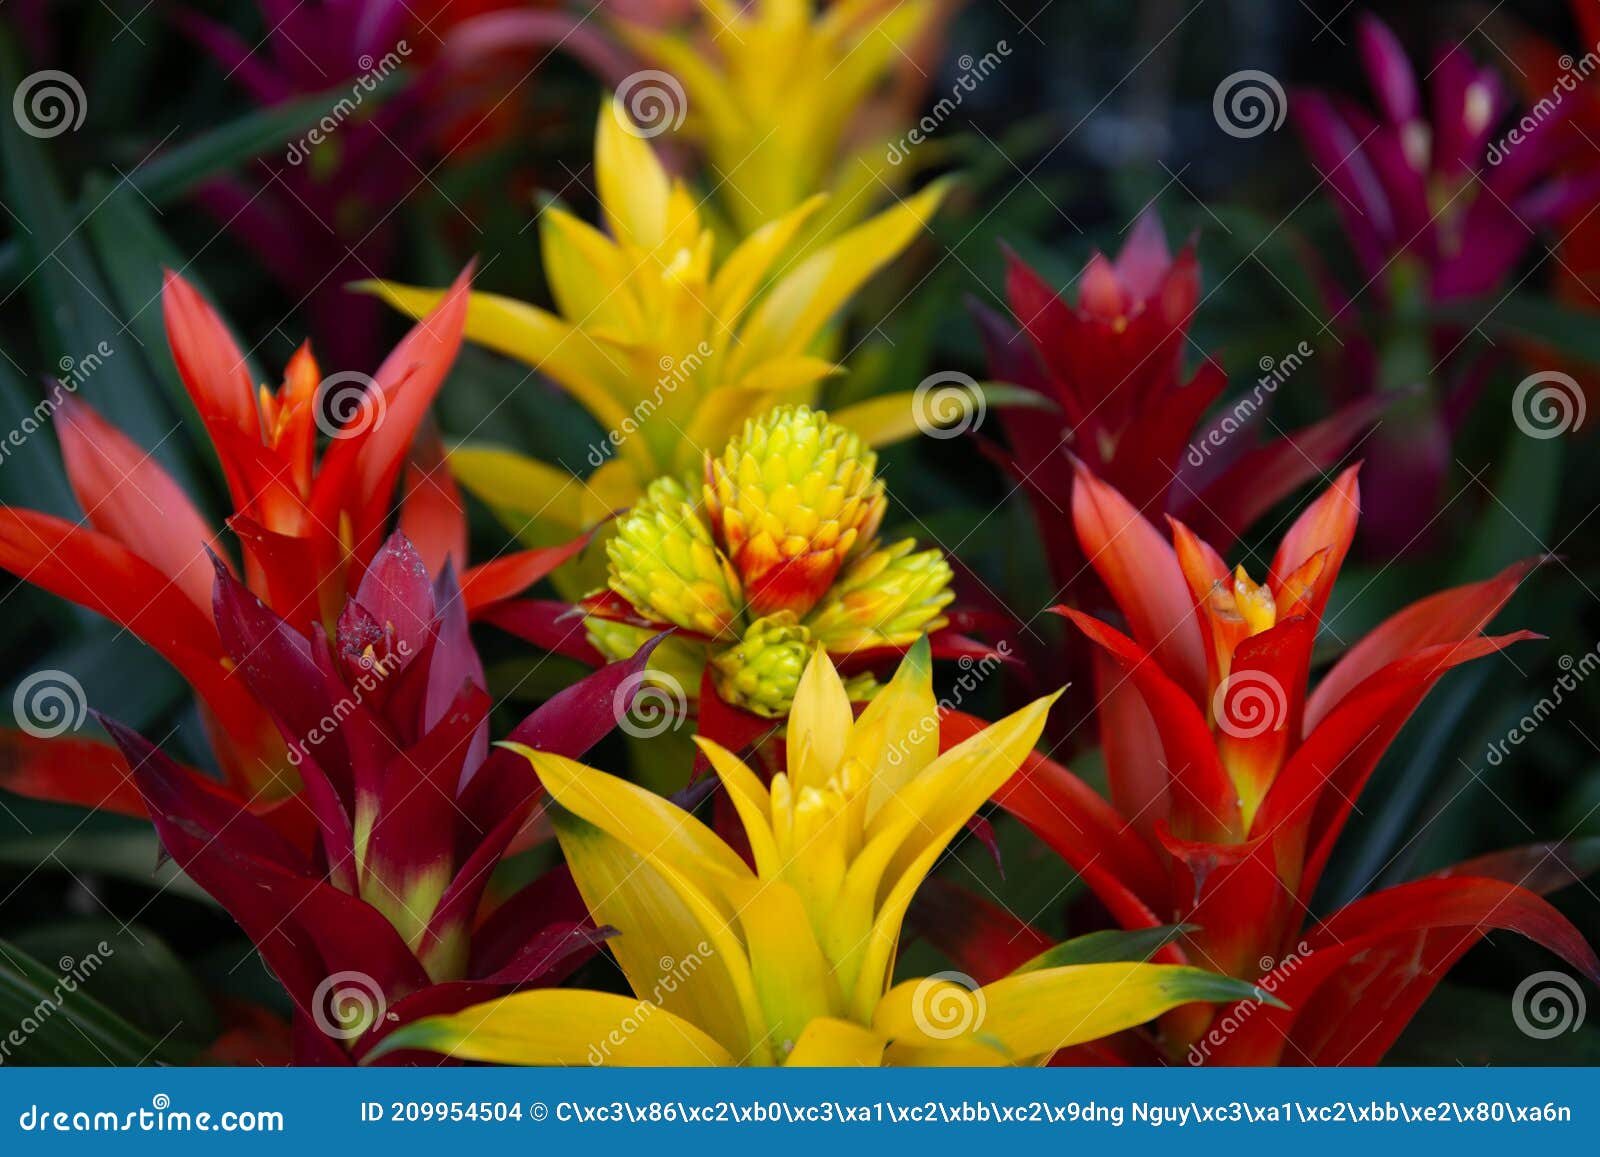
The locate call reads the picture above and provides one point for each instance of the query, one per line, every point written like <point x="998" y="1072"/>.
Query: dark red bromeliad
<point x="1230" y="781"/>
<point x="387" y="914"/>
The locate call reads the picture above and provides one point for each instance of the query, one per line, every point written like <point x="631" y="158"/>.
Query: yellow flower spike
<point x="662" y="560"/>
<point x="789" y="499"/>
<point x="886" y="598"/>
<point x="761" y="972"/>
<point x="1253" y="602"/>
<point x="761" y="671"/>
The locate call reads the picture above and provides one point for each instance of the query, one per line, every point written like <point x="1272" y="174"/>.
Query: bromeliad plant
<point x="385" y="917"/>
<point x="308" y="527"/>
<point x="775" y="556"/>
<point x="669" y="348"/>
<point x="788" y="98"/>
<point x="1231" y="779"/>
<point x="1111" y="368"/>
<point x="792" y="962"/>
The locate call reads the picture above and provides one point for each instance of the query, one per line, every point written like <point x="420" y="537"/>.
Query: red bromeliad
<point x="1231" y="779"/>
<point x="387" y="918"/>
<point x="1113" y="367"/>
<point x="307" y="529"/>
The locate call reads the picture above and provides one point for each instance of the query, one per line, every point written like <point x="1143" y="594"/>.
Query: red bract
<point x="1112" y="366"/>
<point x="307" y="529"/>
<point x="385" y="918"/>
<point x="1231" y="779"/>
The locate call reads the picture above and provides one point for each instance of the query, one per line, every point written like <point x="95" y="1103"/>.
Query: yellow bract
<point x="778" y="99"/>
<point x="669" y="349"/>
<point x="792" y="962"/>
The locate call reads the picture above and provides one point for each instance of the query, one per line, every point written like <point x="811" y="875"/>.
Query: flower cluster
<point x="777" y="554"/>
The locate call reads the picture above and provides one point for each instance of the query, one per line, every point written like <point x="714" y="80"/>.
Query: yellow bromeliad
<point x="792" y="962"/>
<point x="775" y="93"/>
<point x="778" y="555"/>
<point x="669" y="349"/>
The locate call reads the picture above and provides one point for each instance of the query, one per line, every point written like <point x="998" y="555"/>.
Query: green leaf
<point x="54" y="1021"/>
<point x="173" y="174"/>
<point x="1467" y="1026"/>
<point x="1559" y="328"/>
<point x="139" y="977"/>
<point x="129" y="855"/>
<point x="1107" y="947"/>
